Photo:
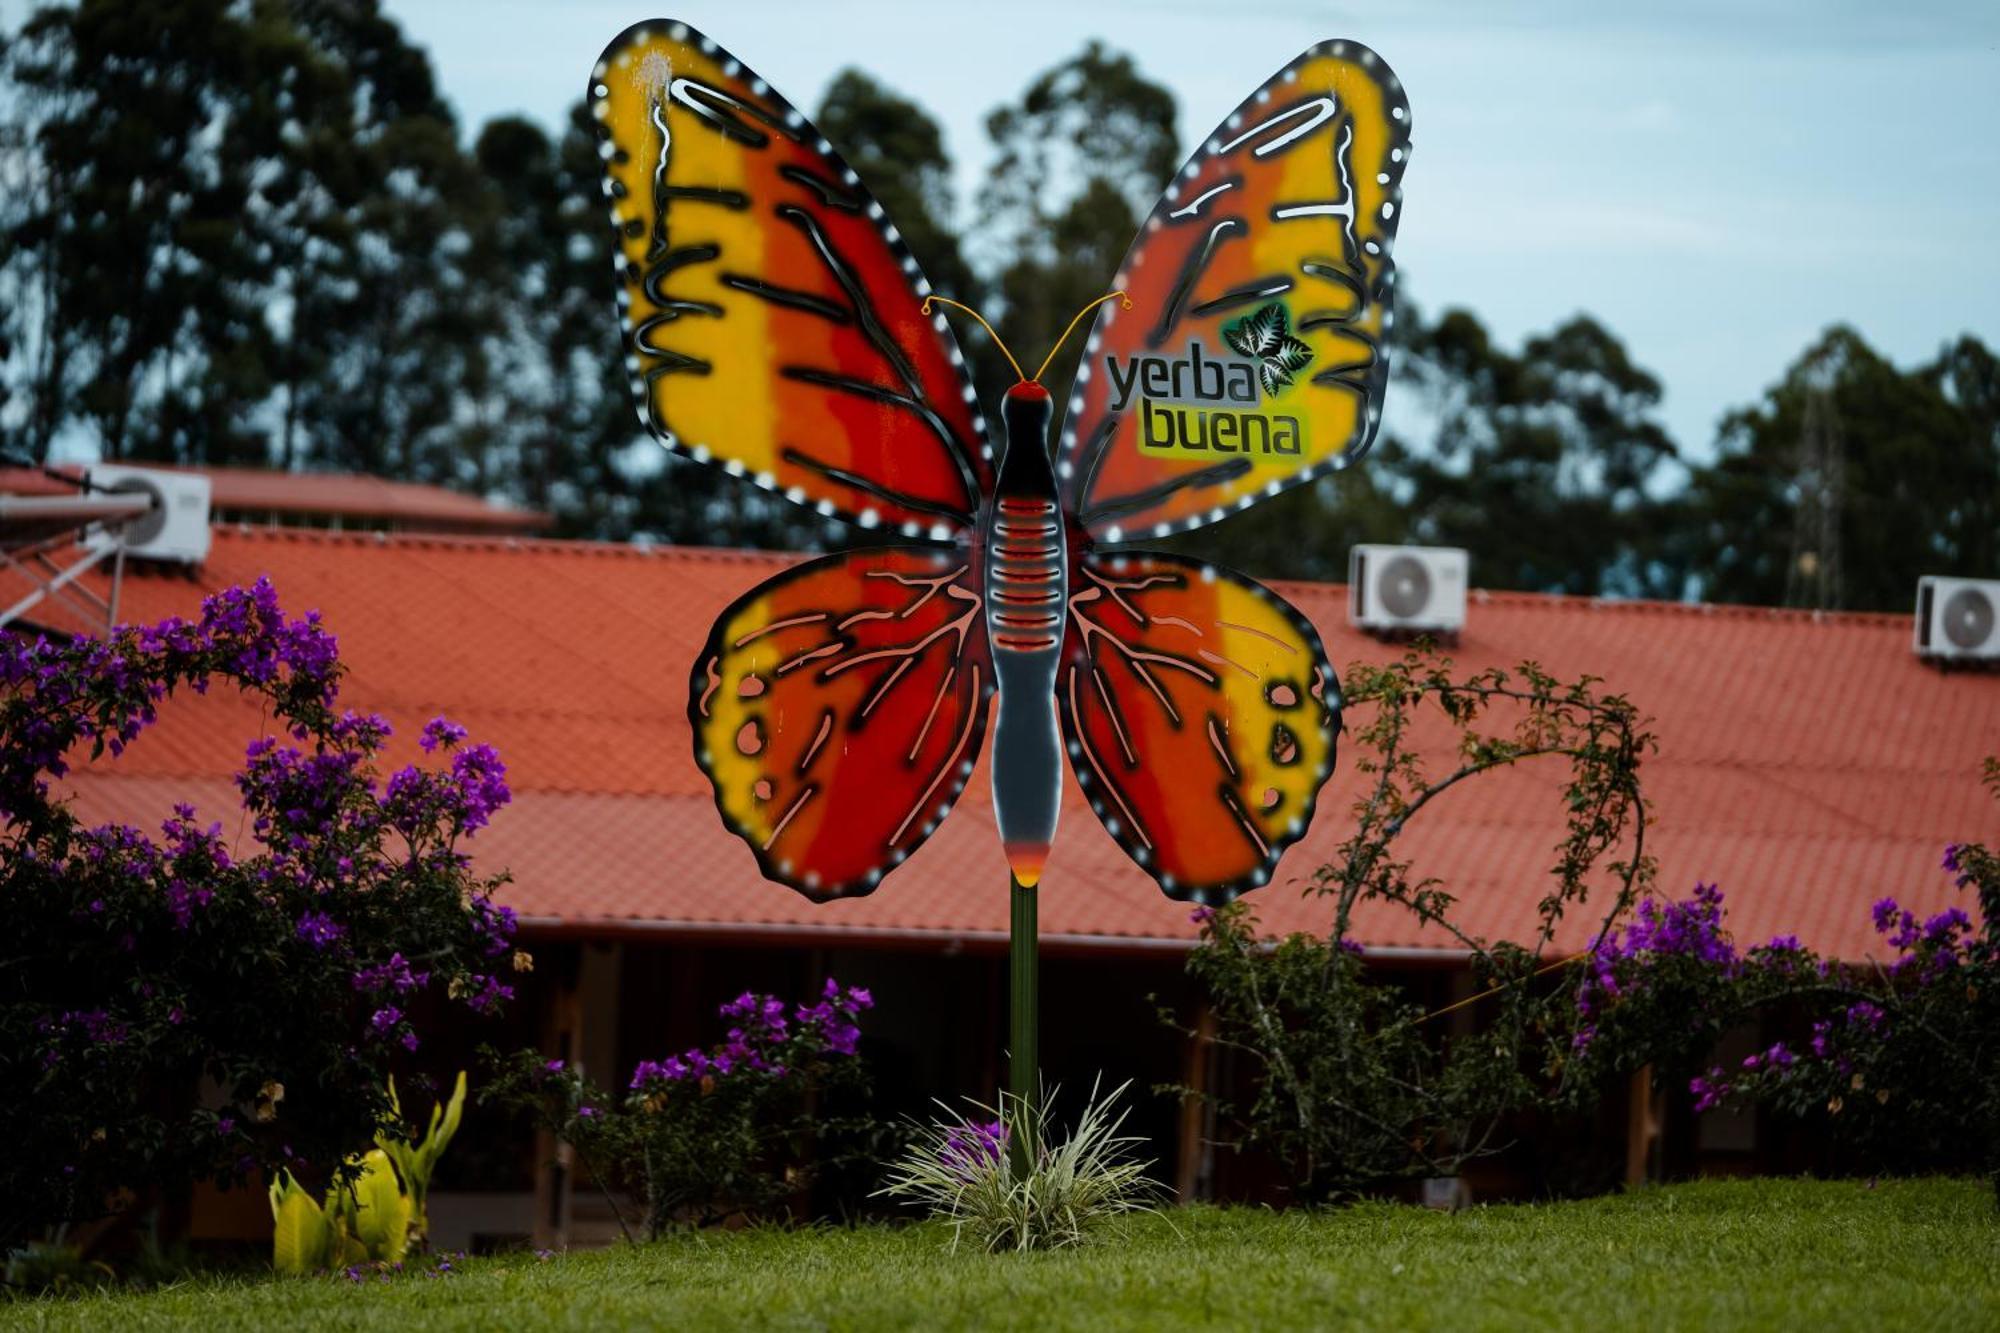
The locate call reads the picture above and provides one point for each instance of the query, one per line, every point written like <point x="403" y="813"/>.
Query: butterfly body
<point x="1027" y="596"/>
<point x="775" y="325"/>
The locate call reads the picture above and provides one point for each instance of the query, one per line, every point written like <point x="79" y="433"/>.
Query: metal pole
<point x="1023" y="1013"/>
<point x="117" y="584"/>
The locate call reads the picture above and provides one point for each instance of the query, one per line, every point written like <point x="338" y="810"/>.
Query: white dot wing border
<point x="1081" y="440"/>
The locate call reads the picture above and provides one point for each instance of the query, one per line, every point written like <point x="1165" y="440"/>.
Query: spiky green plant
<point x="959" y="1168"/>
<point x="373" y="1214"/>
<point x="416" y="1160"/>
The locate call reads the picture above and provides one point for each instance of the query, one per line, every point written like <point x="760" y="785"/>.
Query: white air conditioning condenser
<point x="1418" y="588"/>
<point x="1958" y="618"/>
<point x="177" y="527"/>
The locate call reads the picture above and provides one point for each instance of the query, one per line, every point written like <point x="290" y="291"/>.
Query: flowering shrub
<point x="711" y="1132"/>
<point x="1897" y="1059"/>
<point x="1354" y="1087"/>
<point x="1677" y="955"/>
<point x="191" y="1005"/>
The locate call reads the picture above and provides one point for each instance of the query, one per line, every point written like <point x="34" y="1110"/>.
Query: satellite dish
<point x="1968" y="617"/>
<point x="1405" y="586"/>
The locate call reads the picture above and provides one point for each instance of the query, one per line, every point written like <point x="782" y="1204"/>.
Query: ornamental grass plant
<point x="962" y="1170"/>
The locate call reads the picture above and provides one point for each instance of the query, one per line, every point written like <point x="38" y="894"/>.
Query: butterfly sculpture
<point x="776" y="326"/>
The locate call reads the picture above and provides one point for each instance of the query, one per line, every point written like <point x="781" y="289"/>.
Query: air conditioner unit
<point x="1958" y="618"/>
<point x="1406" y="588"/>
<point x="177" y="527"/>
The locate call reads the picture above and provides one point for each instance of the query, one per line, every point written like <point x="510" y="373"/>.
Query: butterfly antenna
<point x="990" y="332"/>
<point x="1125" y="303"/>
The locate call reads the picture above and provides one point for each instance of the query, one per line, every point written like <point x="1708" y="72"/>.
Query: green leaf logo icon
<point x="1265" y="336"/>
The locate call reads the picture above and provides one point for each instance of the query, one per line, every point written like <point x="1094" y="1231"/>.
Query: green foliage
<point x="1548" y="464"/>
<point x="228" y="200"/>
<point x="1355" y="1085"/>
<point x="303" y="1238"/>
<point x="1542" y="460"/>
<point x="1049" y="1196"/>
<point x="366" y="1219"/>
<point x="54" y="1268"/>
<point x="373" y="1208"/>
<point x="1916" y="489"/>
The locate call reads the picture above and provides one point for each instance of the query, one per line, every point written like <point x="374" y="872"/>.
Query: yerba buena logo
<point x="1196" y="403"/>
<point x="1265" y="336"/>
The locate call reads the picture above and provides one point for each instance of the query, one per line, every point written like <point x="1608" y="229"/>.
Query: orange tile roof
<point x="409" y="505"/>
<point x="1808" y="763"/>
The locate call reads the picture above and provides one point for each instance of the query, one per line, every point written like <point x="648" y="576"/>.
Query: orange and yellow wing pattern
<point x="1252" y="357"/>
<point x="838" y="709"/>
<point x="1201" y="718"/>
<point x="773" y="317"/>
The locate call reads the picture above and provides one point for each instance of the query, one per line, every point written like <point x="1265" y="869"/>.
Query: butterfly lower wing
<point x="1201" y="718"/>
<point x="773" y="318"/>
<point x="1253" y="355"/>
<point x="837" y="710"/>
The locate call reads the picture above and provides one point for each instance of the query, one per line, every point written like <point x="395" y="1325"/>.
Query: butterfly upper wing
<point x="838" y="709"/>
<point x="773" y="318"/>
<point x="1201" y="718"/>
<point x="774" y="325"/>
<point x="1268" y="258"/>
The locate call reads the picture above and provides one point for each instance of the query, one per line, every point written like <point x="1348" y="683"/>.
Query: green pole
<point x="1023" y="1024"/>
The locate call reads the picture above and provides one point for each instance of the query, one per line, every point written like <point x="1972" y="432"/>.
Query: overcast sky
<point x="1715" y="179"/>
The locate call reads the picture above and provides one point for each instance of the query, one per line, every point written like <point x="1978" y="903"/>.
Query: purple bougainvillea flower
<point x="319" y="930"/>
<point x="1709" y="1091"/>
<point x="441" y="731"/>
<point x="969" y="1147"/>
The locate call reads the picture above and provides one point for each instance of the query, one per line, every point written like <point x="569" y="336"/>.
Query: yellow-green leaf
<point x="382" y="1209"/>
<point x="346" y="1250"/>
<point x="440" y="1135"/>
<point x="300" y="1239"/>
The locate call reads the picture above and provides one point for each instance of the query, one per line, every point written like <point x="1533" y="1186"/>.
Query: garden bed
<point x="1762" y="1253"/>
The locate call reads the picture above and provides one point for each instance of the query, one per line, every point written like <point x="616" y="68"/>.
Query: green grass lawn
<point x="1761" y="1254"/>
